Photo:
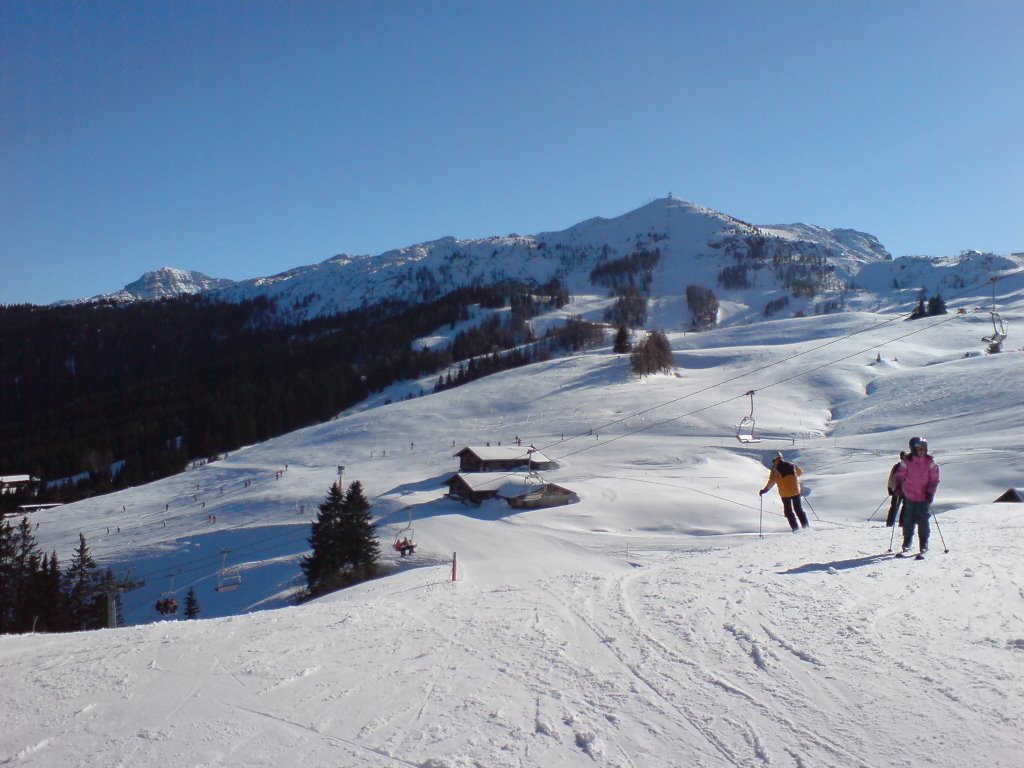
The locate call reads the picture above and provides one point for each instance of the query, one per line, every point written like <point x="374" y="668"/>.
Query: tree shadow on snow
<point x="838" y="565"/>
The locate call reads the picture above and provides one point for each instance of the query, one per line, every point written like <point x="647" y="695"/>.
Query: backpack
<point x="785" y="468"/>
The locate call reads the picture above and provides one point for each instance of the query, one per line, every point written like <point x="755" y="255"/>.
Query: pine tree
<point x="191" y="604"/>
<point x="622" y="342"/>
<point x="323" y="564"/>
<point x="343" y="542"/>
<point x="936" y="305"/>
<point x="26" y="566"/>
<point x="8" y="576"/>
<point x="359" y="534"/>
<point x="79" y="586"/>
<point x="51" y="603"/>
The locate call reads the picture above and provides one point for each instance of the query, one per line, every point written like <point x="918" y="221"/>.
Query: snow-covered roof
<point x="504" y="453"/>
<point x="505" y="483"/>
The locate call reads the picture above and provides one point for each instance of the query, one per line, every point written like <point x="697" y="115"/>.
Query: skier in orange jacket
<point x="784" y="475"/>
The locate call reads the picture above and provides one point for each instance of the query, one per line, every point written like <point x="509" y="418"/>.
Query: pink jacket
<point x="916" y="478"/>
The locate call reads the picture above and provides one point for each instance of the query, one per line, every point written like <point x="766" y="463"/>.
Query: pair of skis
<point x="918" y="556"/>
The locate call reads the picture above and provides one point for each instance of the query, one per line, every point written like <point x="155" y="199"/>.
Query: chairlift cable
<point x="710" y="387"/>
<point x="766" y="386"/>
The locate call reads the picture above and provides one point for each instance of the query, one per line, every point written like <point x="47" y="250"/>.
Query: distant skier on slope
<point x="896" y="499"/>
<point x="784" y="474"/>
<point x="916" y="480"/>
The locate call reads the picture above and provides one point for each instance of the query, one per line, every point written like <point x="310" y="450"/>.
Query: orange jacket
<point x="787" y="483"/>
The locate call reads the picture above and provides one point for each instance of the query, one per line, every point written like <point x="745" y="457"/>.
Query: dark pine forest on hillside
<point x="158" y="384"/>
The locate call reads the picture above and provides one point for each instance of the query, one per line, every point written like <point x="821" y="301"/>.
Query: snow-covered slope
<point x="668" y="618"/>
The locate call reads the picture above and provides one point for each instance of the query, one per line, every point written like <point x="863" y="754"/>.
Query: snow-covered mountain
<point x="694" y="243"/>
<point x="162" y="283"/>
<point x="754" y="270"/>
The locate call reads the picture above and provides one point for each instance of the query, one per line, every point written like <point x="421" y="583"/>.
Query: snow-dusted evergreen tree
<point x="359" y="535"/>
<point x="323" y="564"/>
<point x="79" y="587"/>
<point x="191" y="604"/>
<point x="345" y="548"/>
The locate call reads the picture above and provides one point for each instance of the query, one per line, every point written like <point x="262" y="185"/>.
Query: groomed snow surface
<point x="665" y="620"/>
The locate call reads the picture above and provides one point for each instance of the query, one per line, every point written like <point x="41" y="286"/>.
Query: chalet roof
<point x="522" y="490"/>
<point x="504" y="453"/>
<point x="505" y="484"/>
<point x="501" y="482"/>
<point x="11" y="479"/>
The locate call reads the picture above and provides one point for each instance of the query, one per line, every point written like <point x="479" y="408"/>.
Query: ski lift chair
<point x="745" y="429"/>
<point x="227" y="578"/>
<point x="167" y="605"/>
<point x="404" y="546"/>
<point x="998" y="336"/>
<point x="405" y="541"/>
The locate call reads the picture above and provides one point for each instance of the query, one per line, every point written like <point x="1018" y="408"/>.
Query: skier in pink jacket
<point x="916" y="479"/>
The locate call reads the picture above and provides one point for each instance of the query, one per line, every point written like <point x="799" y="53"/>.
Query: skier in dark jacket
<point x="916" y="480"/>
<point x="896" y="499"/>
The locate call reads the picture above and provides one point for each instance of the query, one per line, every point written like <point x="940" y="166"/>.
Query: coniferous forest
<point x="115" y="395"/>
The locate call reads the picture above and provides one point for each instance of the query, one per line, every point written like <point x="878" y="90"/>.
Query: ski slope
<point x="668" y="619"/>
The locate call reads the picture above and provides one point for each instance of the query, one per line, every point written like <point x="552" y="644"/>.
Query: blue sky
<point x="244" y="139"/>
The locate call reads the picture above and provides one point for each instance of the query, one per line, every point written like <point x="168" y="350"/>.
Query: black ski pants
<point x="894" y="507"/>
<point x="791" y="504"/>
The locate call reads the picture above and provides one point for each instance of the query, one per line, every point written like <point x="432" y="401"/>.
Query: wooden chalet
<point x="502" y="458"/>
<point x="17" y="483"/>
<point x="476" y="487"/>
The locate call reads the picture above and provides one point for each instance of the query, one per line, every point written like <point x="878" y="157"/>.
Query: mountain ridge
<point x="756" y="270"/>
<point x="412" y="273"/>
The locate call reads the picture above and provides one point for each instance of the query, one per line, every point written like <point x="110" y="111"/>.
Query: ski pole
<point x="812" y="509"/>
<point x="945" y="549"/>
<point x="760" y="516"/>
<point x="877" y="508"/>
<point x="892" y="535"/>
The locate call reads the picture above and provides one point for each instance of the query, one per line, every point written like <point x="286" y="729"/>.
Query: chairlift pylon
<point x="227" y="578"/>
<point x="745" y="429"/>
